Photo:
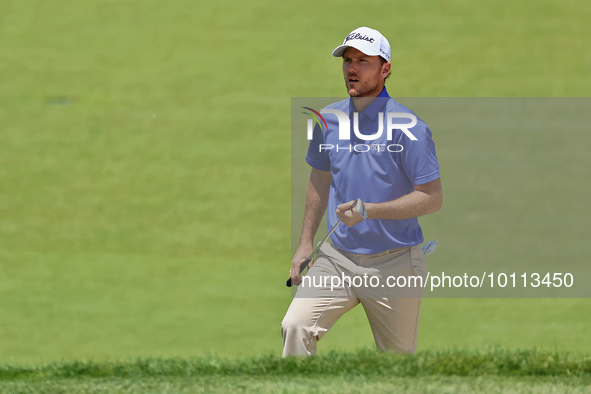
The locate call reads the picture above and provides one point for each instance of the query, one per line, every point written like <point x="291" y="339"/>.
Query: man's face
<point x="364" y="75"/>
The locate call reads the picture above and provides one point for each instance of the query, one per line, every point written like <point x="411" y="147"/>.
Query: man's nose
<point x="352" y="67"/>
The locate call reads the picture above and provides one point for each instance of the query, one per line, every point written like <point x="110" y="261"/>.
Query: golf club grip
<point x="302" y="268"/>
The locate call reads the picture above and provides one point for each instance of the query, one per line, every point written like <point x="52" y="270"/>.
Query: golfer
<point x="389" y="162"/>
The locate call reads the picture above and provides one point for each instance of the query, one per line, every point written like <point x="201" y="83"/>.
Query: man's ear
<point x="386" y="69"/>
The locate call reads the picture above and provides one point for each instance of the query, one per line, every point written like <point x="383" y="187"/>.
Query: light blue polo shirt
<point x="376" y="171"/>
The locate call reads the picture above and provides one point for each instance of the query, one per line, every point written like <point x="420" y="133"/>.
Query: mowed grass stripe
<point x="366" y="363"/>
<point x="301" y="384"/>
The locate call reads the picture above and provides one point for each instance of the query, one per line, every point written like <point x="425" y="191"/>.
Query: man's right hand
<point x="300" y="255"/>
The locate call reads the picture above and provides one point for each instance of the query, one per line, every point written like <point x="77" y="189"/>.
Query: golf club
<point x="360" y="210"/>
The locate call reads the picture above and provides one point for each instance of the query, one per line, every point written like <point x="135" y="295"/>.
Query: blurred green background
<point x="137" y="219"/>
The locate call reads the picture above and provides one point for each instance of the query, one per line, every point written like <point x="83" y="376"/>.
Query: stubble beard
<point x="365" y="88"/>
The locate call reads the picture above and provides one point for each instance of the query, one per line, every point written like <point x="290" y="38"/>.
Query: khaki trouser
<point x="393" y="313"/>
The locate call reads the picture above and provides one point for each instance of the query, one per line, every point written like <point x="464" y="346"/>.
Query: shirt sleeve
<point x="418" y="158"/>
<point x="316" y="158"/>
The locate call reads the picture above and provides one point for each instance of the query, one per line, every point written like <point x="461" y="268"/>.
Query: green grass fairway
<point x="145" y="177"/>
<point x="493" y="371"/>
<point x="338" y="385"/>
<point x="294" y="385"/>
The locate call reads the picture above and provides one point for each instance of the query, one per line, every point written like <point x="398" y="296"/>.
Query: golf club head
<point x="360" y="206"/>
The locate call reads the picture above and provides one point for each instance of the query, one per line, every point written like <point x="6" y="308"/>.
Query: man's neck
<point x="361" y="103"/>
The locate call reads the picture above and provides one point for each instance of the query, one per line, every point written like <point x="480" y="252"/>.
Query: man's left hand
<point x="349" y="216"/>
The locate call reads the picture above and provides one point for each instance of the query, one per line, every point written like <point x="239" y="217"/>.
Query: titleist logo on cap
<point x="357" y="36"/>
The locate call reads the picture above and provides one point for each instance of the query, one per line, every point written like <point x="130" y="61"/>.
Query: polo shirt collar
<point x="374" y="108"/>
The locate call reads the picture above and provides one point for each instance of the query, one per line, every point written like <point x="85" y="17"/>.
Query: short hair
<point x="382" y="62"/>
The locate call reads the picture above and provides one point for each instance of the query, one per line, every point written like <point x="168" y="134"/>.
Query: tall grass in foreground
<point x="366" y="363"/>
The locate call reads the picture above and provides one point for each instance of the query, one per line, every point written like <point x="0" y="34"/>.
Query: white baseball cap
<point x="369" y="41"/>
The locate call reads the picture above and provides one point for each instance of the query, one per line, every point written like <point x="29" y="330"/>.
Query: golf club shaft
<point x="305" y="263"/>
